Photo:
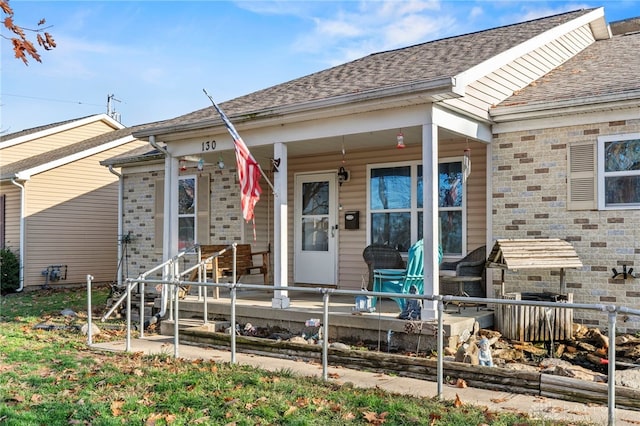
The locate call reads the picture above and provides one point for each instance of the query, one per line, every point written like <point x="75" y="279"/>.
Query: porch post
<point x="280" y="229"/>
<point x="170" y="231"/>
<point x="430" y="215"/>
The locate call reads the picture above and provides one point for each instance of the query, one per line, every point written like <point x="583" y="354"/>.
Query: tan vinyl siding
<point x="352" y="197"/>
<point x="11" y="215"/>
<point x="476" y="190"/>
<point x="497" y="86"/>
<point x="72" y="216"/>
<point x="263" y="214"/>
<point x="41" y="145"/>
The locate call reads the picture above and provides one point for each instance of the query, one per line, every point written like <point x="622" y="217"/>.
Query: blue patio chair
<point x="401" y="281"/>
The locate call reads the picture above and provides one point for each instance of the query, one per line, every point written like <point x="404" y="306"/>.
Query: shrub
<point x="9" y="271"/>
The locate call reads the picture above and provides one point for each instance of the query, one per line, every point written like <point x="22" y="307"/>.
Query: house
<point x="59" y="207"/>
<point x="459" y="141"/>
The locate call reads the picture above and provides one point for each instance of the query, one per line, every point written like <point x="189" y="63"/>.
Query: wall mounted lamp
<point x="343" y="175"/>
<point x="220" y="162"/>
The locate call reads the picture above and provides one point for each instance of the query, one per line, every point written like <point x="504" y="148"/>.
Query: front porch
<point x="345" y="323"/>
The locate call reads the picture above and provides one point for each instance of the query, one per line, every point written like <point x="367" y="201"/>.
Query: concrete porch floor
<point x="345" y="323"/>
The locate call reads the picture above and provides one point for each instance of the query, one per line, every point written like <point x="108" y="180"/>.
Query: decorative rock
<point x="339" y="346"/>
<point x="600" y="339"/>
<point x="468" y="353"/>
<point x="628" y="378"/>
<point x="633" y="352"/>
<point x="68" y="313"/>
<point x="576" y="372"/>
<point x="95" y="330"/>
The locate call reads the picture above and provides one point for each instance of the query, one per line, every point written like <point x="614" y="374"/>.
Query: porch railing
<point x="176" y="283"/>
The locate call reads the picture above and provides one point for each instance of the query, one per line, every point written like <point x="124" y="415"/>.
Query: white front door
<point x="316" y="229"/>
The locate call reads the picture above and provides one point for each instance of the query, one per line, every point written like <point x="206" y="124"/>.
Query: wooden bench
<point x="223" y="263"/>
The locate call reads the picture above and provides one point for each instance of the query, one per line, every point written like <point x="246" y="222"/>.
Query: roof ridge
<point x="475" y="32"/>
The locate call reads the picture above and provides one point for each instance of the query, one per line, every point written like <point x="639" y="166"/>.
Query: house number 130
<point x="208" y="145"/>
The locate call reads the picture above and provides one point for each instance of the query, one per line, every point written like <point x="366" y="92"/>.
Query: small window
<point x="619" y="171"/>
<point x="186" y="211"/>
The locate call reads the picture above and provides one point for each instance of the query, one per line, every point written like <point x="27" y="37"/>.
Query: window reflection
<point x="315" y="198"/>
<point x="395" y="216"/>
<point x="391" y="188"/>
<point x="392" y="229"/>
<point x="315" y="236"/>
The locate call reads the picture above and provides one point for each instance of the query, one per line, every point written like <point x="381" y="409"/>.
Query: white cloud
<point x="357" y="29"/>
<point x="533" y="10"/>
<point x="475" y="12"/>
<point x="414" y="29"/>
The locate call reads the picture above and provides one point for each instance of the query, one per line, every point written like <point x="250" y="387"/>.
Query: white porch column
<point x="430" y="212"/>
<point x="280" y="229"/>
<point x="170" y="230"/>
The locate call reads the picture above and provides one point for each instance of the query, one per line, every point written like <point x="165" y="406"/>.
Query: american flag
<point x="248" y="170"/>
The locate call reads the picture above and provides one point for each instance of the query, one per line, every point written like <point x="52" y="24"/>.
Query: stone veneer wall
<point x="139" y="216"/>
<point x="529" y="200"/>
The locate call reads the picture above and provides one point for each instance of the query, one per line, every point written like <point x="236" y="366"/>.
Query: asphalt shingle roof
<point x="424" y="62"/>
<point x="11" y="169"/>
<point x="605" y="67"/>
<point x="33" y="130"/>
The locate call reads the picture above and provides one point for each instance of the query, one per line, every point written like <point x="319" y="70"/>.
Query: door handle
<point x="333" y="231"/>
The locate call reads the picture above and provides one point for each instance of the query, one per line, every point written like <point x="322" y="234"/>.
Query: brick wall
<point x="139" y="216"/>
<point x="529" y="200"/>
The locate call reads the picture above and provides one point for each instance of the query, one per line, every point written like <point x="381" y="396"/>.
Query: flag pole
<point x="224" y="116"/>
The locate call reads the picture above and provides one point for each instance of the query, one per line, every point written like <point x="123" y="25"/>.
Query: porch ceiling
<point x="352" y="142"/>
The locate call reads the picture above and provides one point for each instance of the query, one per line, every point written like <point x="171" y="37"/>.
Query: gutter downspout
<point x="120" y="234"/>
<point x="165" y="237"/>
<point x="22" y="233"/>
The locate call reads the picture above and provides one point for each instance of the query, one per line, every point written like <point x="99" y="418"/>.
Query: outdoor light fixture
<point x="220" y="163"/>
<point x="200" y="165"/>
<point x="183" y="164"/>
<point x="400" y="140"/>
<point x="343" y="175"/>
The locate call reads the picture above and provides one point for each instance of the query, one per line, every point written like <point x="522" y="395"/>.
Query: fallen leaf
<point x="460" y="383"/>
<point x="116" y="408"/>
<point x="348" y="416"/>
<point x="499" y="400"/>
<point x="458" y="402"/>
<point x="290" y="410"/>
<point x="333" y="375"/>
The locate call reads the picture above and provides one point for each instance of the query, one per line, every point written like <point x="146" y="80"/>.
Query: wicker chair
<point x="378" y="256"/>
<point x="472" y="265"/>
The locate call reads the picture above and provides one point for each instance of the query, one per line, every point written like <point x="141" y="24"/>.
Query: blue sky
<point x="157" y="56"/>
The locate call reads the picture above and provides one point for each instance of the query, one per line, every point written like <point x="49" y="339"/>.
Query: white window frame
<point x="414" y="210"/>
<point x="462" y="209"/>
<point x="602" y="175"/>
<point x="195" y="205"/>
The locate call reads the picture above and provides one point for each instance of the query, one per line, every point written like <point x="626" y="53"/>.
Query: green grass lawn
<point x="48" y="376"/>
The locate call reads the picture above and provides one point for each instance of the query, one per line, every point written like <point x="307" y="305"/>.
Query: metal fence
<point x="172" y="286"/>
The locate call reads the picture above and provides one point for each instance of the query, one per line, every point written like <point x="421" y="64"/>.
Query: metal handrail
<point x="611" y="310"/>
